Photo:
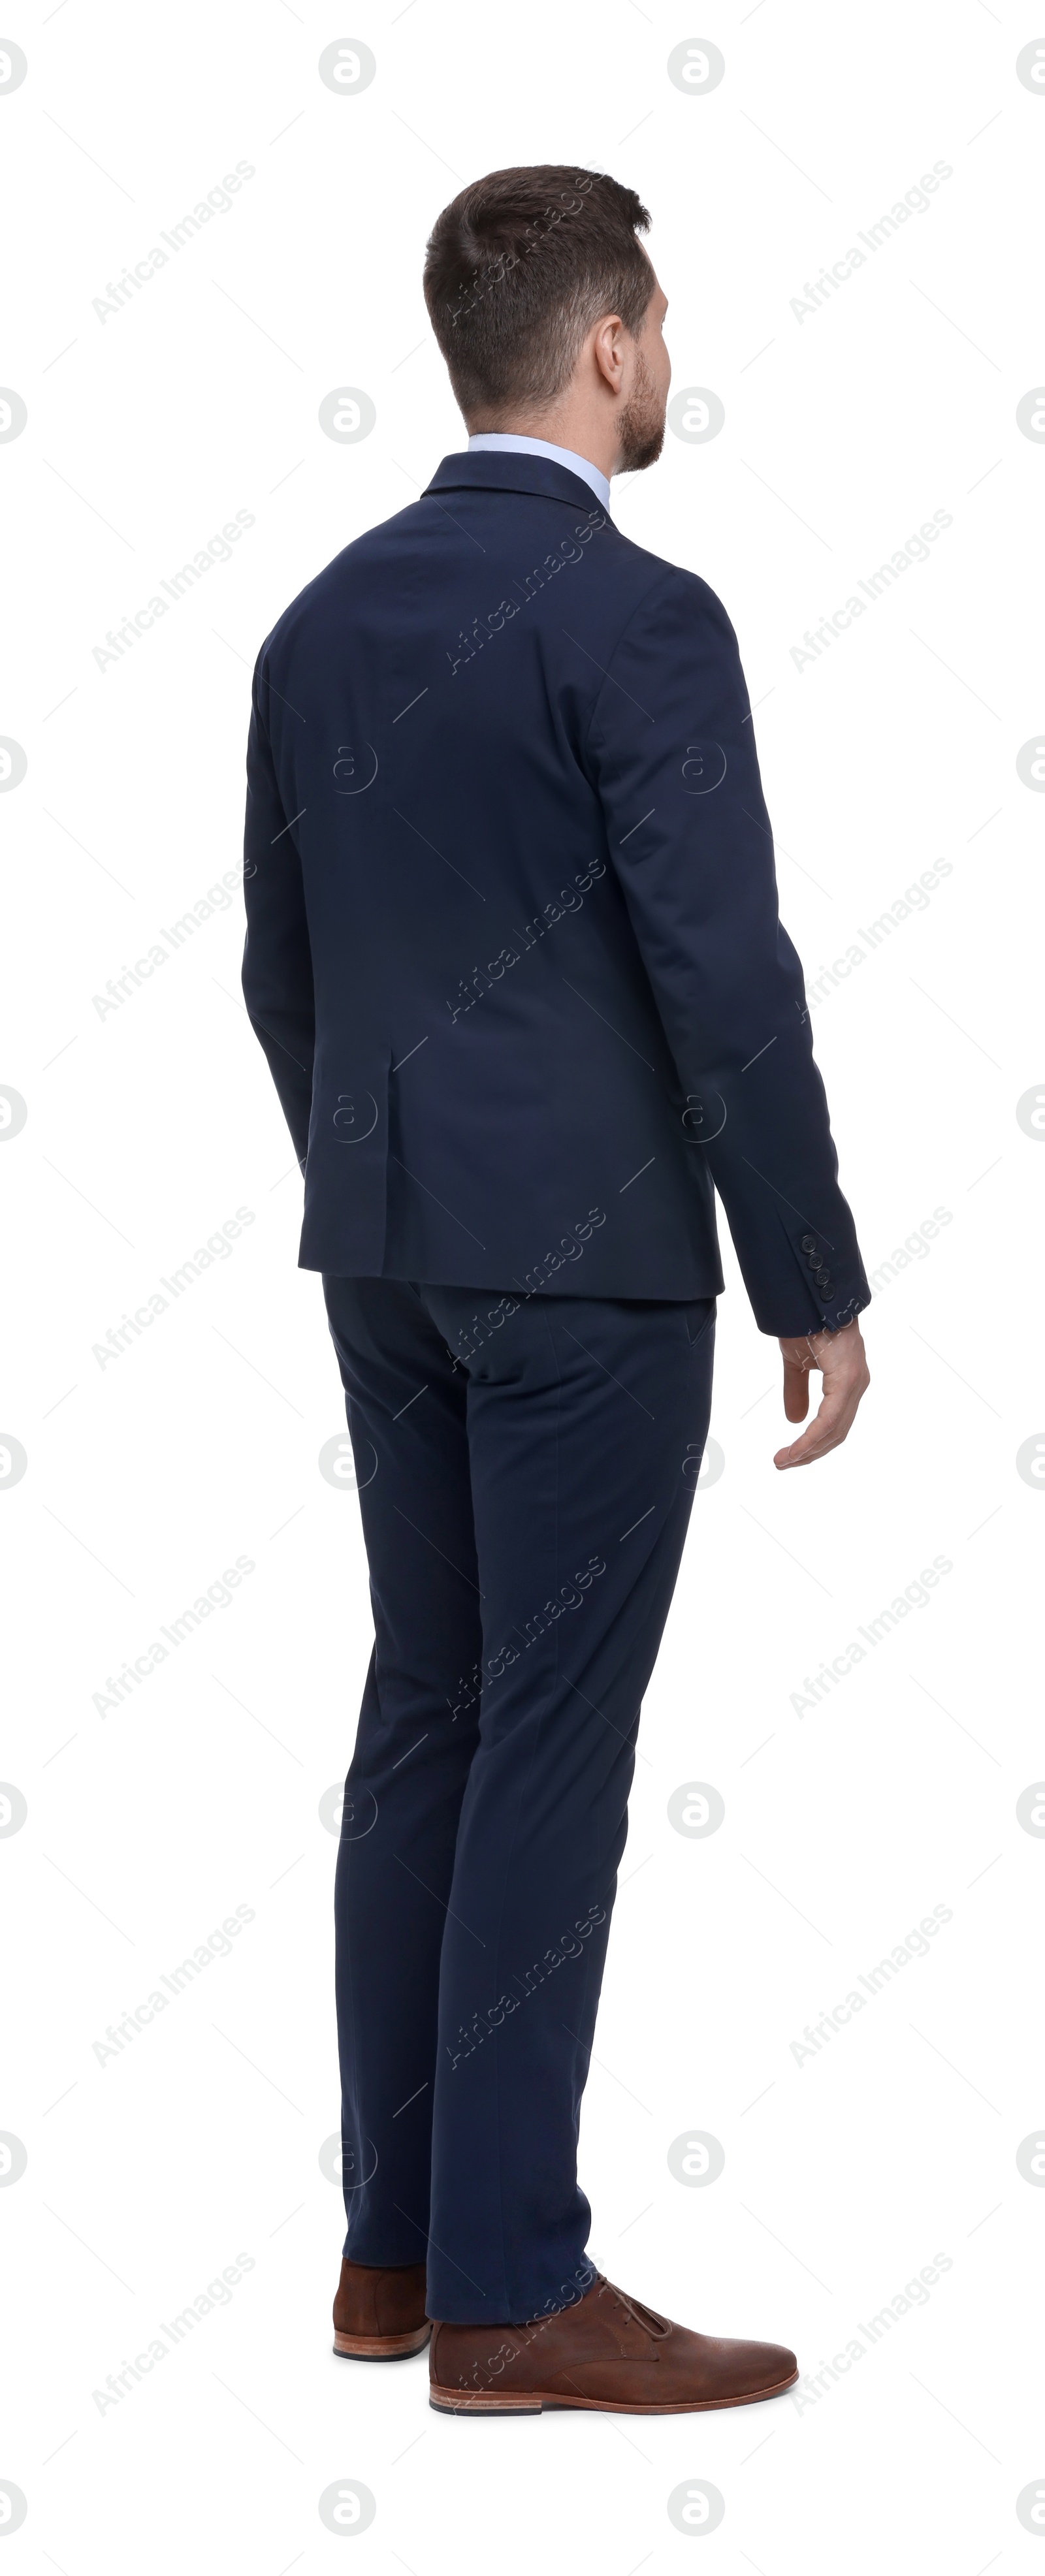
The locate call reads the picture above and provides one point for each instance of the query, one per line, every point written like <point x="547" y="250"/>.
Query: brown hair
<point x="518" y="268"/>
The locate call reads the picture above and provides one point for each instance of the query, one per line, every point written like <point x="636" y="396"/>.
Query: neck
<point x="595" y="440"/>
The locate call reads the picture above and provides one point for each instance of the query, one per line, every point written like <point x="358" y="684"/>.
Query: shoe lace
<point x="656" y="2327"/>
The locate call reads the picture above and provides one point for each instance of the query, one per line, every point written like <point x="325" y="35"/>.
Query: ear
<point x="608" y="350"/>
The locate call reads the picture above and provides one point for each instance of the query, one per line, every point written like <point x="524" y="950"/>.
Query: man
<point x="514" y="957"/>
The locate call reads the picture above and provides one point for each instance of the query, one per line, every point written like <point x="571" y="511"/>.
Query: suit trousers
<point x="525" y="1469"/>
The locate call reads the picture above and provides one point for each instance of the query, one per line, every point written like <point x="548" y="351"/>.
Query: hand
<point x="842" y="1360"/>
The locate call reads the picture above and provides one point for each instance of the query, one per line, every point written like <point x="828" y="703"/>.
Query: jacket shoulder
<point x="328" y="589"/>
<point x="663" y="587"/>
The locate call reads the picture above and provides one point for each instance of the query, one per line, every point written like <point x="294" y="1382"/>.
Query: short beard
<point x="641" y="424"/>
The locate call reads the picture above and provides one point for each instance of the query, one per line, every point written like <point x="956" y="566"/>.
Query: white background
<point x="845" y="1823"/>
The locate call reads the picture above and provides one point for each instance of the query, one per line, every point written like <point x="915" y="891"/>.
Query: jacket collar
<point x="487" y="469"/>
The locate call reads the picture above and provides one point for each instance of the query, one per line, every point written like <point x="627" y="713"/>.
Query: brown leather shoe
<point x="379" y="2311"/>
<point x="606" y="2352"/>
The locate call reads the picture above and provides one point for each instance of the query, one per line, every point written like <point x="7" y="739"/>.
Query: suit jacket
<point x="513" y="949"/>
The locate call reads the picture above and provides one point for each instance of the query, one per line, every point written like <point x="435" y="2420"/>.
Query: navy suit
<point x="513" y="949"/>
<point x="514" y="956"/>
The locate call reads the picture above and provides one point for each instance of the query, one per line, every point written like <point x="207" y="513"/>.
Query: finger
<point x="796" y="1391"/>
<point x="830" y="1426"/>
<point x="814" y="1444"/>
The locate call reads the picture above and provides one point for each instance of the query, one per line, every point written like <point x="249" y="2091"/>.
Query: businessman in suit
<point x="514" y="957"/>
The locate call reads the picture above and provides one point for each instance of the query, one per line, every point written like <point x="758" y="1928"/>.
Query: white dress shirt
<point x="512" y="446"/>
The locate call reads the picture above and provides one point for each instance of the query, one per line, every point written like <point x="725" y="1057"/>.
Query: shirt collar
<point x="509" y="445"/>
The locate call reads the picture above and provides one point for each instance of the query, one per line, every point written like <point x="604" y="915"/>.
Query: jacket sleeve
<point x="672" y="751"/>
<point x="277" y="958"/>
